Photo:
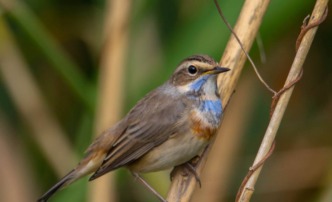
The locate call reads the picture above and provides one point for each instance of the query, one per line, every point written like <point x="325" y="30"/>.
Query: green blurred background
<point x="50" y="70"/>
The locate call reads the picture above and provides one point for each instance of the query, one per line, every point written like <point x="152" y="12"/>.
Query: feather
<point x="62" y="183"/>
<point x="149" y="124"/>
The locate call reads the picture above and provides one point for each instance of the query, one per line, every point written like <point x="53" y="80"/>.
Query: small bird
<point x="168" y="127"/>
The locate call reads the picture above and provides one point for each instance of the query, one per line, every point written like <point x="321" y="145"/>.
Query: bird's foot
<point x="186" y="168"/>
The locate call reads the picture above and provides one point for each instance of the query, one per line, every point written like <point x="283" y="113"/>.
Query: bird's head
<point x="197" y="74"/>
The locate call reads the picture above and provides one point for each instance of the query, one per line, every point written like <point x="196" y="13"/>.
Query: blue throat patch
<point x="197" y="85"/>
<point x="211" y="106"/>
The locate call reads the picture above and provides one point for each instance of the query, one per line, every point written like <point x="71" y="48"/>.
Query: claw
<point x="188" y="167"/>
<point x="192" y="169"/>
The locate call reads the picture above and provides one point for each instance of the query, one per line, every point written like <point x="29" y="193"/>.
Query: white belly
<point x="173" y="152"/>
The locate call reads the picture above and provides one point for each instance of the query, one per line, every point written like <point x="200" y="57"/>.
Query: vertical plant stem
<point x="29" y="101"/>
<point x="111" y="77"/>
<point x="15" y="171"/>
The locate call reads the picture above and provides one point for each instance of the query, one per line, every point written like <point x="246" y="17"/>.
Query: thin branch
<point x="252" y="171"/>
<point x="250" y="18"/>
<point x="280" y="108"/>
<point x="306" y="27"/>
<point x="241" y="45"/>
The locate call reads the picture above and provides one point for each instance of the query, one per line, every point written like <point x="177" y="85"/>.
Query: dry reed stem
<point x="280" y="108"/>
<point x="111" y="76"/>
<point x="15" y="170"/>
<point x="30" y="104"/>
<point x="219" y="167"/>
<point x="246" y="28"/>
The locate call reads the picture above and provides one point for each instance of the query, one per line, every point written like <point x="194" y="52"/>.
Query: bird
<point x="168" y="127"/>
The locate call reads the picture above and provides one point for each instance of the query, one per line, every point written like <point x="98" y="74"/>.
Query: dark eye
<point x="192" y="70"/>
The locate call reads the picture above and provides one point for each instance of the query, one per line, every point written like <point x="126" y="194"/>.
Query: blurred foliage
<point x="61" y="42"/>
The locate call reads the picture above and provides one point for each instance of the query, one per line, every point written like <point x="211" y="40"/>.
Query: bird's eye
<point x="192" y="70"/>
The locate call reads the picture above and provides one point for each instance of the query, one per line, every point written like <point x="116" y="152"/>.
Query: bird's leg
<point x="192" y="169"/>
<point x="138" y="177"/>
<point x="188" y="167"/>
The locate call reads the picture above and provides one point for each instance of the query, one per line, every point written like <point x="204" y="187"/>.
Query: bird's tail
<point x="66" y="180"/>
<point x="92" y="161"/>
<point x="85" y="167"/>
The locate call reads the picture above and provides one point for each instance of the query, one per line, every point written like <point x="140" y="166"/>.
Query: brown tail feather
<point x="92" y="161"/>
<point x="69" y="178"/>
<point x="85" y="167"/>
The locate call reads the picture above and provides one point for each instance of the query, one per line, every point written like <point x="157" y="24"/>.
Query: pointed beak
<point x="218" y="70"/>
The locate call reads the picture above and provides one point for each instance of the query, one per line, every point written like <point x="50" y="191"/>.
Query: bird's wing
<point x="151" y="122"/>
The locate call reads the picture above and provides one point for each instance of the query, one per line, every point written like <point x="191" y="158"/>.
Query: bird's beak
<point x="217" y="70"/>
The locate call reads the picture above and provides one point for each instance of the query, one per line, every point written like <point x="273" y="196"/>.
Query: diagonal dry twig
<point x="244" y="51"/>
<point x="250" y="18"/>
<point x="278" y="112"/>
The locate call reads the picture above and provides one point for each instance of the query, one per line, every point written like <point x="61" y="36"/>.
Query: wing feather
<point x="151" y="122"/>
